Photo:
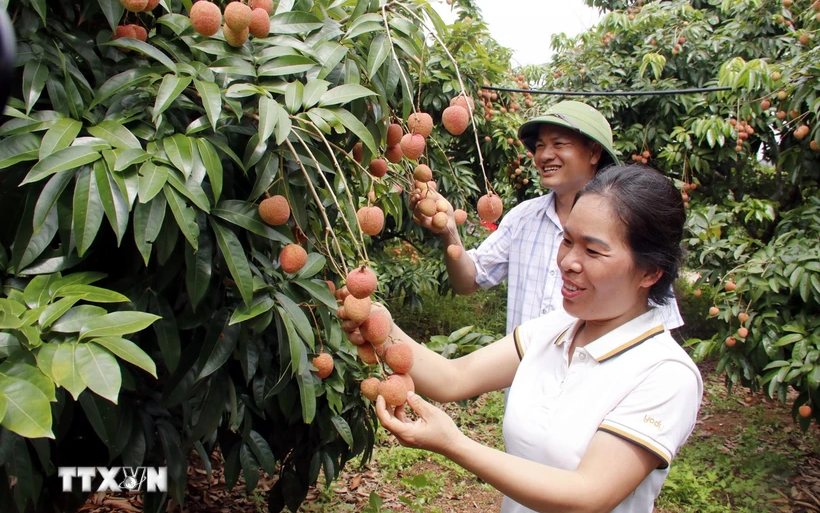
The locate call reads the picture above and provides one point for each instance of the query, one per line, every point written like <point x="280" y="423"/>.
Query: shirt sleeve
<point x="660" y="413"/>
<point x="492" y="257"/>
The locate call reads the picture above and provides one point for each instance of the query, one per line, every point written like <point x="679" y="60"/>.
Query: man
<point x="570" y="143"/>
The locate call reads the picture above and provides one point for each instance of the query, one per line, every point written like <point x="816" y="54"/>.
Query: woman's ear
<point x="650" y="277"/>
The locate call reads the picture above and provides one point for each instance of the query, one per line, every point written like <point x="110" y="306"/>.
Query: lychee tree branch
<point x="396" y="58"/>
<point x="328" y="226"/>
<point x="460" y="83"/>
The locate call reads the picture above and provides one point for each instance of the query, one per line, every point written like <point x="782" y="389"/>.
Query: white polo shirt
<point x="635" y="382"/>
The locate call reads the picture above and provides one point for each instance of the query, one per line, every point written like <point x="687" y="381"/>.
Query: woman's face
<point x="601" y="281"/>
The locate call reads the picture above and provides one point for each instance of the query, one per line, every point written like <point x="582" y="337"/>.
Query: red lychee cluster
<point x="240" y="19"/>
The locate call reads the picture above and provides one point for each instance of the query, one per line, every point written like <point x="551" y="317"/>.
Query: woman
<point x="601" y="396"/>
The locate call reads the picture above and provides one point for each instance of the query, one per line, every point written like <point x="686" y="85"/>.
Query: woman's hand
<point x="434" y="430"/>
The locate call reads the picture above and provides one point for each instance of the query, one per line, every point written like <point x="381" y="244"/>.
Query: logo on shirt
<point x="650" y="420"/>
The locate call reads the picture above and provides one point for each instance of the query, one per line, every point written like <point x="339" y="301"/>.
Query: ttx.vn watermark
<point x="116" y="479"/>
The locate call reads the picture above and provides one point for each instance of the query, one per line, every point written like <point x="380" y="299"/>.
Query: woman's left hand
<point x="434" y="430"/>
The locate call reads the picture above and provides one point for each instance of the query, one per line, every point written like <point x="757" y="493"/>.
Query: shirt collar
<point x="551" y="213"/>
<point x="621" y="339"/>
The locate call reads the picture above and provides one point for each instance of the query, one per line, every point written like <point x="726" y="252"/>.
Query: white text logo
<point x="116" y="479"/>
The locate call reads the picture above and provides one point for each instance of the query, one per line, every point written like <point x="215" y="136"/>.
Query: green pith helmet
<point x="575" y="116"/>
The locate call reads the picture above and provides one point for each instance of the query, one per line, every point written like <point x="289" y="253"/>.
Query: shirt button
<point x="544" y="311"/>
<point x="582" y="356"/>
<point x="552" y="272"/>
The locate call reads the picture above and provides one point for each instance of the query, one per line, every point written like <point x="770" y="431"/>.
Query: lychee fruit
<point x="460" y="215"/>
<point x="370" y="388"/>
<point x="324" y="365"/>
<point x="463" y="101"/>
<point x="134" y="5"/>
<point x="357" y="309"/>
<point x="206" y="18"/>
<point x="357" y="152"/>
<point x="267" y="5"/>
<point x="713" y="311"/>
<point x="238" y="16"/>
<point x="367" y="354"/>
<point x="412" y="145"/>
<point x="378" y="167"/>
<point x="260" y="23"/>
<point x="361" y="282"/>
<point x="399" y="357"/>
<point x="125" y="31"/>
<point x="490" y="208"/>
<point x="439" y="220"/>
<point x="292" y="258"/>
<point x="420" y="123"/>
<point x="152" y="4"/>
<point x="394" y="153"/>
<point x="427" y="207"/>
<point x="235" y="39"/>
<point x="275" y="210"/>
<point x="454" y="252"/>
<point x="376" y="328"/>
<point x="455" y="119"/>
<point x="394" y="134"/>
<point x="139" y="32"/>
<point x="442" y="205"/>
<point x="742" y="317"/>
<point x="730" y="286"/>
<point x="341" y="293"/>
<point x="804" y="411"/>
<point x="408" y="381"/>
<point x="394" y="391"/>
<point x="371" y="220"/>
<point x="731" y="341"/>
<point x="423" y="173"/>
<point x="743" y="332"/>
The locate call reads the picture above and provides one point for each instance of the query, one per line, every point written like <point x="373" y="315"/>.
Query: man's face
<point x="565" y="159"/>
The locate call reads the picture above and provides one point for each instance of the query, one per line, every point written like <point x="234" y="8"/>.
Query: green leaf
<point x="87" y="210"/>
<point x="48" y="197"/>
<point x="31" y="374"/>
<point x="113" y="11"/>
<point x="74" y="319"/>
<point x="145" y="49"/>
<point x="211" y="100"/>
<point x="307" y="394"/>
<point x="262" y="302"/>
<point x="185" y="216"/>
<point x="115" y="134"/>
<point x="170" y="88"/>
<point x="354" y="125"/>
<point x="61" y="160"/>
<point x="215" y="354"/>
<point x="246" y="215"/>
<point x="56" y="310"/>
<point x="250" y="468"/>
<point x="99" y="370"/>
<point x="788" y="339"/>
<point x="35" y="74"/>
<point x="379" y="50"/>
<point x="264" y="454"/>
<point x="129" y="157"/>
<point x="343" y="428"/>
<point x="167" y="331"/>
<point x="315" y="263"/>
<point x="298" y="317"/>
<point x="116" y="323"/>
<point x="191" y="190"/>
<point x="19" y="148"/>
<point x="313" y="92"/>
<point x="151" y="178"/>
<point x="293" y="96"/>
<point x="294" y="22"/>
<point x="64" y="369"/>
<point x="59" y="136"/>
<point x="36" y="292"/>
<point x="180" y="151"/>
<point x="319" y="291"/>
<point x="287" y="65"/>
<point x="80" y="278"/>
<point x="268" y="116"/>
<point x="113" y="202"/>
<point x="148" y="219"/>
<point x="27" y="412"/>
<point x="198" y="265"/>
<point x="283" y="126"/>
<point x="234" y="255"/>
<point x="344" y="94"/>
<point x="213" y="166"/>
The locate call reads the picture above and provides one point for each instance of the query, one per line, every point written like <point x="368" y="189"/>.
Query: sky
<point x="526" y="26"/>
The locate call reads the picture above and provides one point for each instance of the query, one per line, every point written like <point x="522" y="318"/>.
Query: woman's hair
<point x="651" y="209"/>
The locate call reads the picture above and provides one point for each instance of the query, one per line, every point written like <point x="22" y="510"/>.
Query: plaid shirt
<point x="524" y="250"/>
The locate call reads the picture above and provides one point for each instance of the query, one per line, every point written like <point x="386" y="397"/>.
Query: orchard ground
<point x="746" y="454"/>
